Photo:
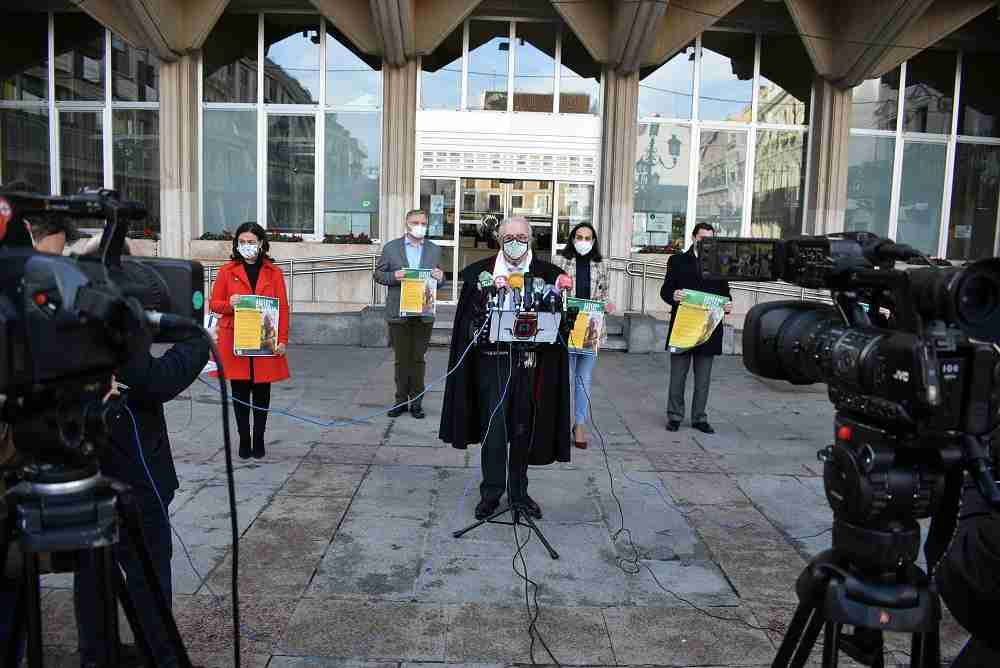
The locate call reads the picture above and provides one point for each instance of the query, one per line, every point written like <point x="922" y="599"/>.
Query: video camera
<point x="66" y="323"/>
<point x="911" y="362"/>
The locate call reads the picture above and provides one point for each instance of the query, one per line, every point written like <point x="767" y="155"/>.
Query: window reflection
<point x="535" y="66"/>
<point x="291" y="173"/>
<point x="979" y="106"/>
<point x="291" y="59"/>
<point x="921" y="192"/>
<point x="81" y="151"/>
<point x="721" y="173"/>
<point x="972" y="227"/>
<point x="229" y="60"/>
<point x="24" y="147"/>
<point x="930" y="85"/>
<point x="136" y="134"/>
<point x="134" y="73"/>
<point x="579" y="77"/>
<point x="779" y="180"/>
<point x="79" y="57"/>
<point x="441" y="77"/>
<point x="353" y="79"/>
<point x="437" y="198"/>
<point x="667" y="91"/>
<point x="576" y="205"/>
<point x="230" y="163"/>
<point x="489" y="46"/>
<point x="875" y="103"/>
<point x="786" y="79"/>
<point x="662" y="168"/>
<point x="353" y="158"/>
<point x="869" y="184"/>
<point x="24" y="71"/>
<point x="726" y="91"/>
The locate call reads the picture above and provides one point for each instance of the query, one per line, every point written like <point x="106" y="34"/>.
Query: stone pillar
<point x="616" y="183"/>
<point x="179" y="159"/>
<point x="828" y="140"/>
<point x="399" y="146"/>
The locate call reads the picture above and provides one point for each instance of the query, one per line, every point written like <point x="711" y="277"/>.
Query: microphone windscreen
<point x="517" y="281"/>
<point x="537" y="285"/>
<point x="500" y="282"/>
<point x="485" y="279"/>
<point x="564" y="282"/>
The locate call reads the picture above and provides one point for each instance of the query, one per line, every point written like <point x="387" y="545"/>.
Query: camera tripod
<point x="522" y="359"/>
<point x="69" y="516"/>
<point x="835" y="591"/>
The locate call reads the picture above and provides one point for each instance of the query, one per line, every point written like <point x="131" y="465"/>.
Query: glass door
<point x="438" y="199"/>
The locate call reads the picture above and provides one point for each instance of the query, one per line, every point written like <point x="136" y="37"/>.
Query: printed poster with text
<point x="255" y="326"/>
<point x="696" y="319"/>
<point x="417" y="293"/>
<point x="585" y="337"/>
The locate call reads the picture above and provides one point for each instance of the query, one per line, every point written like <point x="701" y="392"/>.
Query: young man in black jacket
<point x="147" y="382"/>
<point x="684" y="273"/>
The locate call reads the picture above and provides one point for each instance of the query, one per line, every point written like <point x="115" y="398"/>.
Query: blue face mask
<point x="248" y="251"/>
<point x="515" y="249"/>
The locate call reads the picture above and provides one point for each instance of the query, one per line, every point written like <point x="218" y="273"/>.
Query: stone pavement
<point x="346" y="555"/>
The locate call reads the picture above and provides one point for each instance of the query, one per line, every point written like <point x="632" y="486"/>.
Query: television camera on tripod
<point x="913" y="369"/>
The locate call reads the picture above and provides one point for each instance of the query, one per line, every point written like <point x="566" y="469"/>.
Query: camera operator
<point x="969" y="575"/>
<point x="147" y="383"/>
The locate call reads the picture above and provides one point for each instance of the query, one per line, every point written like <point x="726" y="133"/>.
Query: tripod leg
<point x="105" y="568"/>
<point x="140" y="632"/>
<point x="831" y="645"/>
<point x="793" y="635"/>
<point x="33" y="605"/>
<point x="133" y="525"/>
<point x="479" y="523"/>
<point x="808" y="639"/>
<point x="526" y="521"/>
<point x="925" y="650"/>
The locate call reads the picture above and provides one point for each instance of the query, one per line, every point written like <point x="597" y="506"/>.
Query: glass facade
<point x="726" y="156"/>
<point x="921" y="171"/>
<point x="88" y="134"/>
<point x="301" y="140"/>
<point x="521" y="65"/>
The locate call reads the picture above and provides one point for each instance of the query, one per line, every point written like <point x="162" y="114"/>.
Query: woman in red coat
<point x="251" y="272"/>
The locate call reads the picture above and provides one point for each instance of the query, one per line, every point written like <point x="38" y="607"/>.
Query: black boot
<point x="245" y="447"/>
<point x="259" y="422"/>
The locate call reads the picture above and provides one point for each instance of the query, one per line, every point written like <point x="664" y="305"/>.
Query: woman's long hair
<point x="569" y="251"/>
<point x="258" y="232"/>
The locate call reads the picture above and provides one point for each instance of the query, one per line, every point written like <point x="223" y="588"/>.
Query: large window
<point x="295" y="146"/>
<point x="722" y="140"/>
<point x="918" y="171"/>
<point x="522" y="66"/>
<point x="86" y="118"/>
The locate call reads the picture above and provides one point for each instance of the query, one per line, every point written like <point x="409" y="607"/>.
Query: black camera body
<point x="911" y="364"/>
<point x="66" y="324"/>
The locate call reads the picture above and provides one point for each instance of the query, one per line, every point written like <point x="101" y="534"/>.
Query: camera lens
<point x="977" y="300"/>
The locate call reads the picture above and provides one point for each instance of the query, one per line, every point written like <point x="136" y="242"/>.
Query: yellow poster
<point x="247" y="325"/>
<point x="690" y="325"/>
<point x="411" y="298"/>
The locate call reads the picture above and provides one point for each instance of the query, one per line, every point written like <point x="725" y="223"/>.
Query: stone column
<point x="399" y="142"/>
<point x="829" y="135"/>
<point x="616" y="184"/>
<point x="179" y="158"/>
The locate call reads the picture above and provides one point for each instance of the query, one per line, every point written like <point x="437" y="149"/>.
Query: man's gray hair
<point x="415" y="212"/>
<point x="513" y="219"/>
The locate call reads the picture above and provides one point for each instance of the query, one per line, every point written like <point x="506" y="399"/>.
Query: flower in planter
<point x="347" y="239"/>
<point x="224" y="235"/>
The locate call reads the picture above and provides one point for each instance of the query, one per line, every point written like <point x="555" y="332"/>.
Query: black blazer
<point x="153" y="381"/>
<point x="684" y="273"/>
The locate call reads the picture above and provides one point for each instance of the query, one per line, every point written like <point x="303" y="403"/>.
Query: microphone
<point x="501" y="285"/>
<point x="517" y="286"/>
<point x="564" y="283"/>
<point x="537" y="291"/>
<point x="552" y="300"/>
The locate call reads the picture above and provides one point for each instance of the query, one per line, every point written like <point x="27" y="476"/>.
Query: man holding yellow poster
<point x="698" y="306"/>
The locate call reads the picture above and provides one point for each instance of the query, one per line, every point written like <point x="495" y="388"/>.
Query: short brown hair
<point x="415" y="212"/>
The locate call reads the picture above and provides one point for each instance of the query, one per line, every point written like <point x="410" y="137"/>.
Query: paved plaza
<point x="347" y="558"/>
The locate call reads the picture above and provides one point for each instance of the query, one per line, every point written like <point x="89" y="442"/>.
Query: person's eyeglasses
<point x="516" y="237"/>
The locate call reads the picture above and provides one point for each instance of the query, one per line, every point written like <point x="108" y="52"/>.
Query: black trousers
<point x="410" y="339"/>
<point x="159" y="542"/>
<point x="679" y="365"/>
<point x="258" y="394"/>
<point x="494" y="372"/>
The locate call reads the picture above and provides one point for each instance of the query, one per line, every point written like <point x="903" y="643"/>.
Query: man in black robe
<point x="534" y="415"/>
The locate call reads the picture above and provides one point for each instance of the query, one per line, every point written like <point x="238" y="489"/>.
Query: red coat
<point x="232" y="280"/>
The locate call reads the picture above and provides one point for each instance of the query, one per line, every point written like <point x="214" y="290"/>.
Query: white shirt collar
<point x="503" y="268"/>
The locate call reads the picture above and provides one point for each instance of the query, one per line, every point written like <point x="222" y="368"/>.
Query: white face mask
<point x="515" y="249"/>
<point x="248" y="250"/>
<point x="583" y="247"/>
<point x="418" y="231"/>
